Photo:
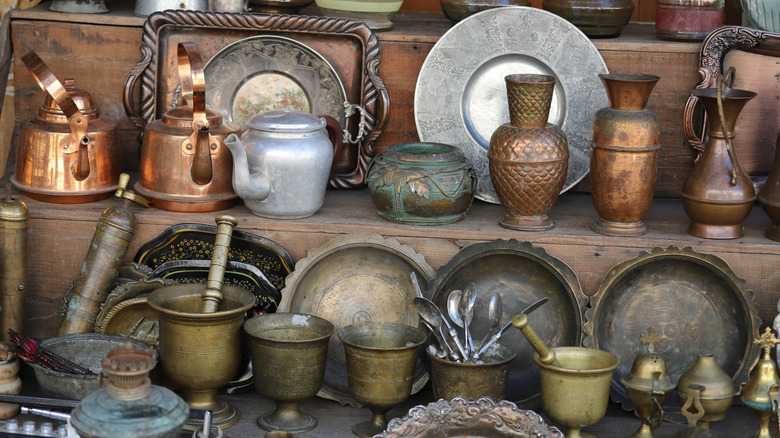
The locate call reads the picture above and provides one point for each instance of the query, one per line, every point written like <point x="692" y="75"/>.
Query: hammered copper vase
<point x="719" y="194"/>
<point x="625" y="143"/>
<point x="769" y="196"/>
<point x="528" y="157"/>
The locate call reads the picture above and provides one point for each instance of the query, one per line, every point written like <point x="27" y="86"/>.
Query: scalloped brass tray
<point x="695" y="303"/>
<point x="481" y="418"/>
<point x="522" y="274"/>
<point x="356" y="278"/>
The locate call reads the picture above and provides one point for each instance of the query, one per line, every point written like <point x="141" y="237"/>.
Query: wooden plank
<point x="60" y="236"/>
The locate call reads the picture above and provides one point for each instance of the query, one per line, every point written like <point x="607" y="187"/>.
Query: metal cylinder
<point x="14" y="222"/>
<point x="113" y="234"/>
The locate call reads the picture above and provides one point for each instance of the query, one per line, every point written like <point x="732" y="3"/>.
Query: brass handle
<point x="546" y="354"/>
<point x="723" y="83"/>
<point x="694" y="400"/>
<point x="200" y="143"/>
<point x="212" y="295"/>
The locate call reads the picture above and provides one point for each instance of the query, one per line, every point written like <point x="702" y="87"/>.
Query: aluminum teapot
<point x="68" y="153"/>
<point x="282" y="163"/>
<point x="184" y="166"/>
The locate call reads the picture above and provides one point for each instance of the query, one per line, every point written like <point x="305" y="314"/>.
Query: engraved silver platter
<point x="460" y="98"/>
<point x="463" y="418"/>
<point x="265" y="72"/>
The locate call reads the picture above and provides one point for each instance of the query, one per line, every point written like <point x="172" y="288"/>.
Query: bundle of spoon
<point x="460" y="309"/>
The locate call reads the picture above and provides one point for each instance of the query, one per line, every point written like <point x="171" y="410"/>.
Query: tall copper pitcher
<point x="625" y="143"/>
<point x="769" y="196"/>
<point x="719" y="194"/>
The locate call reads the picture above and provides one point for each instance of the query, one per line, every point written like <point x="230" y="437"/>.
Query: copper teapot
<point x="184" y="165"/>
<point x="68" y="153"/>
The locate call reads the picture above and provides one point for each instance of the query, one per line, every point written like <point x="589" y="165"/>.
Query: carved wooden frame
<point x="714" y="49"/>
<point x="374" y="96"/>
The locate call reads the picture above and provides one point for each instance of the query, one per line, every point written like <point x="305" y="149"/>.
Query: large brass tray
<point x="522" y="274"/>
<point x="350" y="47"/>
<point x="481" y="418"/>
<point x="754" y="54"/>
<point x="356" y="278"/>
<point x="695" y="303"/>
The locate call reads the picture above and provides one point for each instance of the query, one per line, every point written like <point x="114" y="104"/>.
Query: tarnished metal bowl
<point x="85" y="349"/>
<point x="278" y="6"/>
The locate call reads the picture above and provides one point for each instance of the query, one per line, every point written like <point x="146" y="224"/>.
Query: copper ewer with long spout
<point x="200" y="345"/>
<point x="718" y="195"/>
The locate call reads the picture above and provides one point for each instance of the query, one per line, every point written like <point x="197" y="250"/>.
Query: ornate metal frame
<point x="374" y="97"/>
<point x="713" y="52"/>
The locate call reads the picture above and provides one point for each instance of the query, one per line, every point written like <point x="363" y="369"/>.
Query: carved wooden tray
<point x="695" y="305"/>
<point x="754" y="55"/>
<point x="350" y="47"/>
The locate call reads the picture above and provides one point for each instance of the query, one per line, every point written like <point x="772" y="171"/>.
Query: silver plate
<point x="265" y="72"/>
<point x="460" y="98"/>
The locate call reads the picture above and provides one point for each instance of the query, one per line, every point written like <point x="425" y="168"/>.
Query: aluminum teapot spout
<point x="247" y="185"/>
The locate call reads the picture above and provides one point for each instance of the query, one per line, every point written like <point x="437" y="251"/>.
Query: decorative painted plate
<point x="356" y="278"/>
<point x="695" y="305"/>
<point x="522" y="274"/>
<point x="460" y="98"/>
<point x="266" y="72"/>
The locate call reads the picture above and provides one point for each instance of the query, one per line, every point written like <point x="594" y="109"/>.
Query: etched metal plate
<point x="481" y="418"/>
<point x="265" y="72"/>
<point x="695" y="303"/>
<point x="356" y="278"/>
<point x="460" y="98"/>
<point x="521" y="274"/>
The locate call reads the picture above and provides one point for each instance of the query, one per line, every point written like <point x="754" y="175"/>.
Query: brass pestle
<point x="546" y="354"/>
<point x="212" y="295"/>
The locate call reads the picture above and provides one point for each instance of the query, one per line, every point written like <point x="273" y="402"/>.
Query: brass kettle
<point x="184" y="165"/>
<point x="68" y="153"/>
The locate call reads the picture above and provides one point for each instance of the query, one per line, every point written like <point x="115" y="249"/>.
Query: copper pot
<point x="184" y="165"/>
<point x="68" y="153"/>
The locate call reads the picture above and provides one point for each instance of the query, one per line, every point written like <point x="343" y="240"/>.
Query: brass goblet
<point x="380" y="367"/>
<point x="289" y="351"/>
<point x="200" y="352"/>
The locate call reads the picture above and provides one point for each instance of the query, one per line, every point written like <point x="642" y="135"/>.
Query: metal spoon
<point x="431" y="313"/>
<point x="498" y="335"/>
<point x="438" y="352"/>
<point x="467" y="300"/>
<point x="453" y="310"/>
<point x="494" y="317"/>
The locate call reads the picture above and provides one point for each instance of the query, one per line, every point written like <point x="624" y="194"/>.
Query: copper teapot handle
<point x="78" y="123"/>
<point x="200" y="143"/>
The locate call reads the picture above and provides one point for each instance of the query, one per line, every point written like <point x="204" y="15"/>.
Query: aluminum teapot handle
<point x="78" y="123"/>
<point x="200" y="142"/>
<point x="336" y="138"/>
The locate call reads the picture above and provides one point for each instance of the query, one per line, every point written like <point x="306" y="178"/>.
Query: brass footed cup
<point x="451" y="379"/>
<point x="201" y="352"/>
<point x="380" y="367"/>
<point x="289" y="351"/>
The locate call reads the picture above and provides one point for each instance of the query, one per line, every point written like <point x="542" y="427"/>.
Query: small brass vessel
<point x="472" y="380"/>
<point x="200" y="333"/>
<point x="761" y="391"/>
<point x="14" y="226"/>
<point x="575" y="381"/>
<point x="289" y="351"/>
<point x="716" y="391"/>
<point x="648" y="386"/>
<point x="380" y="367"/>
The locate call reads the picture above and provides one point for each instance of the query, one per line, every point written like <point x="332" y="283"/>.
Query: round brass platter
<point x="356" y="278"/>
<point x="521" y="274"/>
<point x="694" y="302"/>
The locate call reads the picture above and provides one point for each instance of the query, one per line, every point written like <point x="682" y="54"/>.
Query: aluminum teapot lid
<point x="286" y="121"/>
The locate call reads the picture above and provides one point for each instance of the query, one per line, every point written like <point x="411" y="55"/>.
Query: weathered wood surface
<point x="100" y="51"/>
<point x="60" y="236"/>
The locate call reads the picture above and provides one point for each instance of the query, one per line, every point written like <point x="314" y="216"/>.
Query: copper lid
<point x="183" y="116"/>
<point x="51" y="111"/>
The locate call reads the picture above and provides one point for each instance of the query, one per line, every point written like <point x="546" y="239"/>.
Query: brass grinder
<point x="14" y="223"/>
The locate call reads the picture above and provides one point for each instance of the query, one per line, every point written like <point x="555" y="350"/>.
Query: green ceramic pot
<point x="421" y="183"/>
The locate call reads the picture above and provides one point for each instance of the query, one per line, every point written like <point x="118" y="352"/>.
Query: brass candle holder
<point x="761" y="391"/>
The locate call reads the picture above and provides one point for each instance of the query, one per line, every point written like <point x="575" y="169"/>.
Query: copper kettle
<point x="68" y="153"/>
<point x="184" y="165"/>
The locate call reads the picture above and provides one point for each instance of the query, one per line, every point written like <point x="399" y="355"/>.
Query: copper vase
<point x="769" y="196"/>
<point x="719" y="194"/>
<point x="528" y="157"/>
<point x="626" y="140"/>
